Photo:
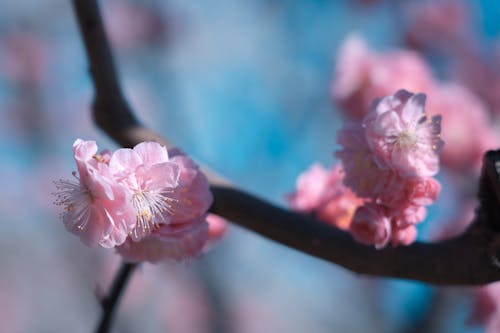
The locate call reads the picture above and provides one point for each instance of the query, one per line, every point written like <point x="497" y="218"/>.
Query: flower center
<point x="406" y="140"/>
<point x="76" y="200"/>
<point x="150" y="208"/>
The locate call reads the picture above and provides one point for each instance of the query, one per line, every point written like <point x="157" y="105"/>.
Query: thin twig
<point x="110" y="303"/>
<point x="466" y="260"/>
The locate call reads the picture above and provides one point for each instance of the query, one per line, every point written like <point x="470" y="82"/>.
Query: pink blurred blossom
<point x="371" y="225"/>
<point x="403" y="236"/>
<point x="362" y="75"/>
<point x="132" y="24"/>
<point x="217" y="228"/>
<point x="321" y="191"/>
<point x="467" y="129"/>
<point x="480" y="75"/>
<point x="24" y="58"/>
<point x="438" y="24"/>
<point x="314" y="187"/>
<point x="96" y="207"/>
<point x="402" y="137"/>
<point x="486" y="307"/>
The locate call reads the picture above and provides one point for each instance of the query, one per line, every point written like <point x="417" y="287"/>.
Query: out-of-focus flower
<point x="486" y="307"/>
<point x="96" y="207"/>
<point x="362" y="75"/>
<point x="467" y="131"/>
<point x="217" y="228"/>
<point x="402" y="137"/>
<point x="24" y="58"/>
<point x="314" y="187"/>
<point x="403" y="236"/>
<point x="481" y="77"/>
<point x="321" y="192"/>
<point x="438" y="24"/>
<point x="371" y="225"/>
<point x="134" y="24"/>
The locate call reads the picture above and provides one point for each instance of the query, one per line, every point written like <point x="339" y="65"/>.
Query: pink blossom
<point x="167" y="242"/>
<point x="132" y="25"/>
<point x="24" y="58"/>
<point x="193" y="196"/>
<point x="437" y="24"/>
<point x="403" y="236"/>
<point x="314" y="187"/>
<point x="480" y="76"/>
<point x="371" y="225"/>
<point x="362" y="75"/>
<point x="164" y="190"/>
<point x="96" y="207"/>
<point x="486" y="307"/>
<point x="408" y="215"/>
<point x="413" y="191"/>
<point x="150" y="179"/>
<point x="468" y="131"/>
<point x="217" y="227"/>
<point x="321" y="191"/>
<point x="339" y="210"/>
<point x="362" y="174"/>
<point x="402" y="137"/>
<point x="352" y="74"/>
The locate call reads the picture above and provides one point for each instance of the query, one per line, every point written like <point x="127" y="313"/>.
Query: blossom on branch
<point x="95" y="206"/>
<point x="321" y="192"/>
<point x="389" y="160"/>
<point x="150" y="205"/>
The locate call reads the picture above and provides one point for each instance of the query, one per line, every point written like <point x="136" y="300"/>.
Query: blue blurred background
<point x="242" y="86"/>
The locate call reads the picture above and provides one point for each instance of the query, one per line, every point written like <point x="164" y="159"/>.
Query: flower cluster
<point x="389" y="160"/>
<point x="148" y="203"/>
<point x="362" y="75"/>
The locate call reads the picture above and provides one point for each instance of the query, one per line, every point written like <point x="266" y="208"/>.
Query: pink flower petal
<point x="151" y="152"/>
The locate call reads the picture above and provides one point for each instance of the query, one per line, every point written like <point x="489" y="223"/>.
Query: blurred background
<point x="244" y="87"/>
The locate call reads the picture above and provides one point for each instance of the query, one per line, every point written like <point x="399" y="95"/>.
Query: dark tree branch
<point x="466" y="260"/>
<point x="111" y="301"/>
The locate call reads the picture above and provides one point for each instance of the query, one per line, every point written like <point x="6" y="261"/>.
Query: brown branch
<point x="111" y="301"/>
<point x="466" y="260"/>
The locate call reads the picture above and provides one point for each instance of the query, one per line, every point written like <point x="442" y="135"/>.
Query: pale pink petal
<point x="151" y="152"/>
<point x="158" y="176"/>
<point x="168" y="242"/>
<point x="193" y="196"/>
<point x="124" y="161"/>
<point x="413" y="110"/>
<point x="84" y="150"/>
